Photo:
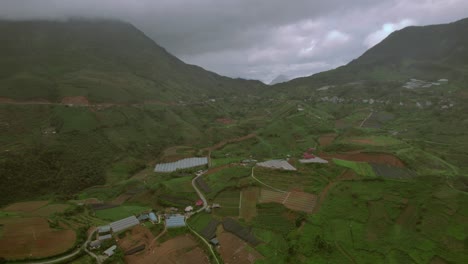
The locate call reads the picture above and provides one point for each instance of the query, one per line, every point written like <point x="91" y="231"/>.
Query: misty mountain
<point x="279" y="79"/>
<point x="426" y="52"/>
<point x="104" y="60"/>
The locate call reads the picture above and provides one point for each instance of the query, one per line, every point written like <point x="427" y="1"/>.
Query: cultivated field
<point x="235" y="251"/>
<point x="298" y="201"/>
<point x="379" y="158"/>
<point x="182" y="249"/>
<point x="248" y="209"/>
<point x="33" y="238"/>
<point x="327" y="139"/>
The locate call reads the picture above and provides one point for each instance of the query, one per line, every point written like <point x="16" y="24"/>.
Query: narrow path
<point x="343" y="251"/>
<point x="205" y="204"/>
<point x="364" y="121"/>
<point x="271" y="187"/>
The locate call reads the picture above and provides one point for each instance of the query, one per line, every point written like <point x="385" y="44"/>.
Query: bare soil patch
<point x="363" y="141"/>
<point x="301" y="201"/>
<point x="379" y="158"/>
<point x="234" y="250"/>
<point x="181" y="249"/>
<point x="228" y="141"/>
<point x="33" y="238"/>
<point x="138" y="235"/>
<point x="49" y="209"/>
<point x="327" y="139"/>
<point x="225" y="121"/>
<point x="75" y="100"/>
<point x="25" y="206"/>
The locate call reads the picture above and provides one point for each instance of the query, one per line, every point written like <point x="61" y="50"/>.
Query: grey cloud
<point x="256" y="39"/>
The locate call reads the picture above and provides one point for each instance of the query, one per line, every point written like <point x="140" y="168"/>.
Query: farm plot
<point x="182" y="249"/>
<point x="301" y="201"/>
<point x="391" y="172"/>
<point x="224" y="179"/>
<point x="248" y="207"/>
<point x="297" y="201"/>
<point x="275" y="218"/>
<point x="379" y="158"/>
<point x="269" y="196"/>
<point x="33" y="238"/>
<point x="234" y="250"/>
<point x="25" y="206"/>
<point x="360" y="168"/>
<point x="229" y="202"/>
<point x="210" y="230"/>
<point x="285" y="180"/>
<point x="377" y="120"/>
<point x="117" y="213"/>
<point x="242" y="232"/>
<point x="202" y="185"/>
<point x="327" y="139"/>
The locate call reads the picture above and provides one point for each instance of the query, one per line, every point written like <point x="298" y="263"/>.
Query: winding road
<point x="205" y="204"/>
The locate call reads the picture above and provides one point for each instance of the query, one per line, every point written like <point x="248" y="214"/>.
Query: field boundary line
<point x="278" y="190"/>
<point x="286" y="198"/>
<point x="341" y="249"/>
<point x="364" y="121"/>
<point x="240" y="200"/>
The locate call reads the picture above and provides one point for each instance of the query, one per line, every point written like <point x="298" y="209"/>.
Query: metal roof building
<point x="175" y="221"/>
<point x="110" y="251"/>
<point x="124" y="223"/>
<point x="104" y="229"/>
<point x="153" y="217"/>
<point x="277" y="164"/>
<point x="181" y="164"/>
<point x="105" y="237"/>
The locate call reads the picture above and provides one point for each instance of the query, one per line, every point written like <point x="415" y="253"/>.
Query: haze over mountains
<point x="103" y="60"/>
<point x="89" y="107"/>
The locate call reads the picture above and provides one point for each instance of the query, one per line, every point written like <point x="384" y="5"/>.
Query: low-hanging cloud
<point x="255" y="39"/>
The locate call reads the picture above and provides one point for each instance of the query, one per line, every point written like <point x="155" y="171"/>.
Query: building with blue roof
<point x="175" y="221"/>
<point x="153" y="217"/>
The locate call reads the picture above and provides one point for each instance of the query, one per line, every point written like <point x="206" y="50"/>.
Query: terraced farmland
<point x="297" y="201"/>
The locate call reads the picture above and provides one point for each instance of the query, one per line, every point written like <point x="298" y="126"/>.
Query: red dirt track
<point x="379" y="158"/>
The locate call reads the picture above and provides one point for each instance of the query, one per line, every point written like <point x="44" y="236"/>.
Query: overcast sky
<point x="255" y="39"/>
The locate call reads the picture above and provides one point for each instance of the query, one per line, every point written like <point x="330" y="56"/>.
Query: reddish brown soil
<point x="248" y="208"/>
<point x="294" y="200"/>
<point x="233" y="250"/>
<point x="380" y="158"/>
<point x="48" y="210"/>
<point x="225" y="121"/>
<point x="363" y="141"/>
<point x="121" y="199"/>
<point x="33" y="238"/>
<point x="135" y="237"/>
<point x="300" y="201"/>
<point x="75" y="100"/>
<point x="26" y="206"/>
<point x="216" y="169"/>
<point x="181" y="249"/>
<point x="327" y="139"/>
<point x="228" y="141"/>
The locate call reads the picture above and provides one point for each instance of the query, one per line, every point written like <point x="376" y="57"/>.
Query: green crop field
<point x="117" y="213"/>
<point x="360" y="168"/>
<point x="199" y="221"/>
<point x="225" y="178"/>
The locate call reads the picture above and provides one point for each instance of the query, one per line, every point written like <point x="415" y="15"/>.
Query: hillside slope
<point x="106" y="61"/>
<point x="426" y="52"/>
